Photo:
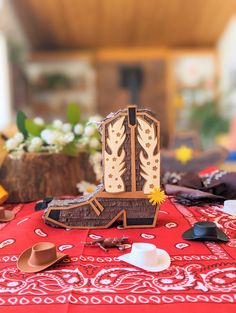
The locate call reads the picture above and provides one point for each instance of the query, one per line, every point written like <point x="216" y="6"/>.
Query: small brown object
<point x="39" y="257"/>
<point x="104" y="243"/>
<point x="43" y="175"/>
<point x="6" y="215"/>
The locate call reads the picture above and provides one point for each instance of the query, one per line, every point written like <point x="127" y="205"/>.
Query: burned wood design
<point x="149" y="156"/>
<point x="122" y="197"/>
<point x="114" y="165"/>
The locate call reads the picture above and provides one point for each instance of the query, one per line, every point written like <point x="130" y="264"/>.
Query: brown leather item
<point x="39" y="257"/>
<point x="6" y="215"/>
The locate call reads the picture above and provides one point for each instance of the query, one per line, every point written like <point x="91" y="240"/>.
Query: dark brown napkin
<point x="193" y="189"/>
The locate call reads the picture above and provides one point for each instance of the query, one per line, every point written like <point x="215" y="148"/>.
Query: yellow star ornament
<point x="156" y="196"/>
<point x="184" y="154"/>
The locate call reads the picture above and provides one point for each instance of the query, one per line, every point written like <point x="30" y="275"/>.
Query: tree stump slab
<point x="40" y="175"/>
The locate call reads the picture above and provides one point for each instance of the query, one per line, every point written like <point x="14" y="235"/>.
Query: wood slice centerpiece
<point x="40" y="175"/>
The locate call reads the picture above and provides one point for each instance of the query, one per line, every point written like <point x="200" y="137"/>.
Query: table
<point x="202" y="276"/>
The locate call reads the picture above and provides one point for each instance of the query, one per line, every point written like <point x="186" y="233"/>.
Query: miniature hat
<point x="39" y="257"/>
<point x="6" y="215"/>
<point x="205" y="231"/>
<point x="147" y="257"/>
<point x="230" y="207"/>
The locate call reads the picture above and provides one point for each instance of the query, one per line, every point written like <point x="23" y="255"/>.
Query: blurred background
<point x="175" y="57"/>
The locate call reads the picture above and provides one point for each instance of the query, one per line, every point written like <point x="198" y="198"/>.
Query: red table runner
<point x="202" y="276"/>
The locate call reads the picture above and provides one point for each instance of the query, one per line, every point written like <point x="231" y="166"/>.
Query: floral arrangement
<point x="71" y="137"/>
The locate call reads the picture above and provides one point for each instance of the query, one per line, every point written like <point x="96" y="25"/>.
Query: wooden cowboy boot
<point x="131" y="164"/>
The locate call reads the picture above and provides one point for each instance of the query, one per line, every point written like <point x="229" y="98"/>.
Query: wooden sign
<point x="131" y="167"/>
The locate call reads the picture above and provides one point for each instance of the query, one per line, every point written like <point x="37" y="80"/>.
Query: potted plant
<point x="49" y="159"/>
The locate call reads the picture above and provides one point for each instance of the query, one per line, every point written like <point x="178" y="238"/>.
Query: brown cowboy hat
<point x="6" y="215"/>
<point x="39" y="257"/>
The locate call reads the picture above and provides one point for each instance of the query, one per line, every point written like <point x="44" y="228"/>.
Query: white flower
<point x="19" y="137"/>
<point x="57" y="124"/>
<point x="31" y="148"/>
<point x="86" y="187"/>
<point x="35" y="144"/>
<point x="84" y="141"/>
<point x="95" y="118"/>
<point x="96" y="157"/>
<point x="50" y="136"/>
<point x="94" y="143"/>
<point x="78" y="129"/>
<point x="36" y="141"/>
<point x="98" y="171"/>
<point x="11" y="144"/>
<point x="67" y="127"/>
<point x="68" y="137"/>
<point x="39" y="121"/>
<point x="89" y="131"/>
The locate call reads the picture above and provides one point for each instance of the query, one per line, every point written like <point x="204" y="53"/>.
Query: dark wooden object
<point x="40" y="175"/>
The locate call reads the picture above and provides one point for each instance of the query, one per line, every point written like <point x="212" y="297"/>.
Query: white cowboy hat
<point x="147" y="257"/>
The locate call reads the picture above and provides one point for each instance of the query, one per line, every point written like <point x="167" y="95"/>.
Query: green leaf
<point x="73" y="113"/>
<point x="20" y="122"/>
<point x="32" y="128"/>
<point x="70" y="149"/>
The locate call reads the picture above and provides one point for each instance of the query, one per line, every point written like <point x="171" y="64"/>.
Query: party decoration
<point x="114" y="161"/>
<point x="148" y="140"/>
<point x="157" y="196"/>
<point x="105" y="243"/>
<point x="131" y="169"/>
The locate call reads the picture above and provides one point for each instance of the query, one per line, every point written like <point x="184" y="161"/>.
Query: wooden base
<point x="40" y="175"/>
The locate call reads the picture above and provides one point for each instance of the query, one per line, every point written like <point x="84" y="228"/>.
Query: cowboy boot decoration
<point x="131" y="167"/>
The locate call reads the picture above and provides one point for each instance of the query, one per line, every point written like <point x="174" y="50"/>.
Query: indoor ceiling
<point x="92" y="24"/>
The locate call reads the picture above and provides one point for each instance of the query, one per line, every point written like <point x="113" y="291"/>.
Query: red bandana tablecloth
<point x="202" y="276"/>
